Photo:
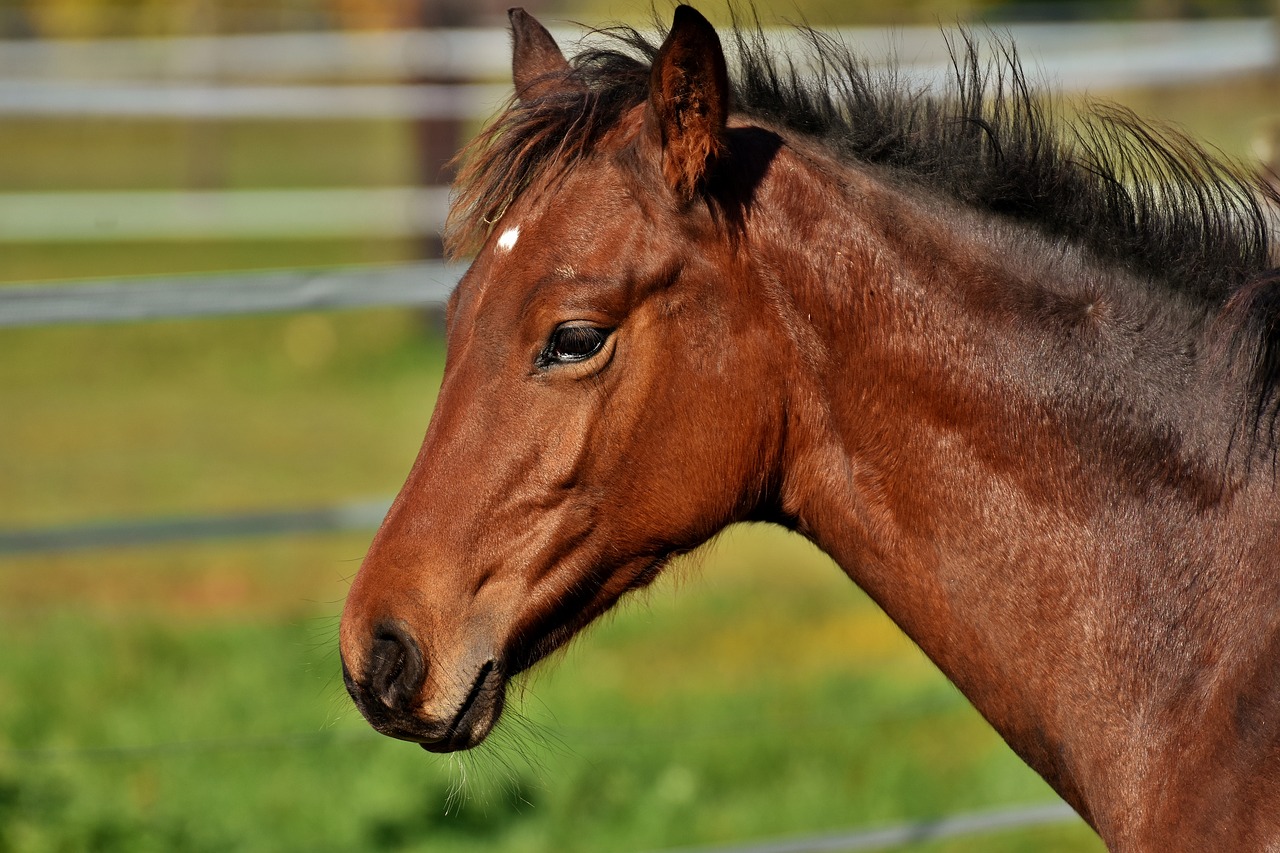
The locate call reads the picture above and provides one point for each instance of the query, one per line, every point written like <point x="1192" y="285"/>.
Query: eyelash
<point x="572" y="343"/>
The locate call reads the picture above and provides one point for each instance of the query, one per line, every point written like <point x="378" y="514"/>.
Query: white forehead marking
<point x="508" y="239"/>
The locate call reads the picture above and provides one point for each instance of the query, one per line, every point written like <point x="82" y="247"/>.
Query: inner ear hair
<point x="689" y="101"/>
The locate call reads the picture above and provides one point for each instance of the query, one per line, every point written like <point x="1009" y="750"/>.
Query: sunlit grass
<point x="50" y="154"/>
<point x="179" y="416"/>
<point x="712" y="709"/>
<point x="25" y="262"/>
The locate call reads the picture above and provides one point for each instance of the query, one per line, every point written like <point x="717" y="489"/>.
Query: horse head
<point x="592" y="421"/>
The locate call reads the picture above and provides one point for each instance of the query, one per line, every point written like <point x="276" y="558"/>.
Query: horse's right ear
<point x="689" y="100"/>
<point x="537" y="65"/>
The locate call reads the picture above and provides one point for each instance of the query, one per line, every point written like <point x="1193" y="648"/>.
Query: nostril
<point x="395" y="667"/>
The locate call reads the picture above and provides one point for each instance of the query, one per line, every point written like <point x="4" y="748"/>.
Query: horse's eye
<point x="570" y="343"/>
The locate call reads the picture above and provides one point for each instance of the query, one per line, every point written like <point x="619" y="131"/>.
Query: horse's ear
<point x="537" y="65"/>
<point x="689" y="100"/>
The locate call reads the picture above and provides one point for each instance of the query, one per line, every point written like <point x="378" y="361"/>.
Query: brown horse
<point x="1019" y="383"/>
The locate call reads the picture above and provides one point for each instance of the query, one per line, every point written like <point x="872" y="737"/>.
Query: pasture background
<point x="187" y="697"/>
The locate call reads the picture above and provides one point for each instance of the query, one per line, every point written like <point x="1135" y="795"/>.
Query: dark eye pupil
<point x="575" y="343"/>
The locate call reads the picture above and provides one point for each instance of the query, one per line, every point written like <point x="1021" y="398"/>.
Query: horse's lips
<point x="470" y="724"/>
<point x="476" y="715"/>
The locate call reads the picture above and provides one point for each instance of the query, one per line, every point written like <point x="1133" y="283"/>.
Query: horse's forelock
<point x="536" y="139"/>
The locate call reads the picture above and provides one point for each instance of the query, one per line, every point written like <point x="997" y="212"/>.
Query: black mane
<point x="1136" y="195"/>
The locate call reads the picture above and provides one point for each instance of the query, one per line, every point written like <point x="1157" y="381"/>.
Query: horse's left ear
<point x="689" y="100"/>
<point x="537" y="65"/>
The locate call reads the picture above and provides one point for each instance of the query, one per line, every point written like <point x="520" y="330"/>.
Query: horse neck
<point x="1026" y="468"/>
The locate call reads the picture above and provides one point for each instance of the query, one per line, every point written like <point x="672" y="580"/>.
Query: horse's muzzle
<point x="388" y="690"/>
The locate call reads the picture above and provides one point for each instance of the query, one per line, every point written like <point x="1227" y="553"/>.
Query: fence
<point x="1073" y="55"/>
<point x="51" y="79"/>
<point x="201" y="79"/>
<point x="422" y="284"/>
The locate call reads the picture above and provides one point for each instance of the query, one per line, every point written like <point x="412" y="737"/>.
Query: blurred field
<point x="187" y="697"/>
<point x="697" y="715"/>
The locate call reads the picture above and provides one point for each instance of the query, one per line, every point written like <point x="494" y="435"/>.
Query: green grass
<point x="1230" y="115"/>
<point x="38" y="261"/>
<point x="155" y="154"/>
<point x="180" y="416"/>
<point x="756" y="696"/>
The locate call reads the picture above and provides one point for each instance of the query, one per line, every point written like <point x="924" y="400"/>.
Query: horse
<point x="1015" y="373"/>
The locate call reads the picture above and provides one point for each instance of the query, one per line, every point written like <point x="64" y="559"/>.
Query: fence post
<point x="1269" y="134"/>
<point x="438" y="139"/>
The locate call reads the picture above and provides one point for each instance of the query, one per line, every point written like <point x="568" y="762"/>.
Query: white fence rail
<point x="121" y="533"/>
<point x="354" y="56"/>
<point x="421" y="284"/>
<point x="98" y="77"/>
<point x="917" y="832"/>
<point x="35" y="217"/>
<point x="137" y="100"/>
<point x="187" y="78"/>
